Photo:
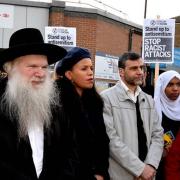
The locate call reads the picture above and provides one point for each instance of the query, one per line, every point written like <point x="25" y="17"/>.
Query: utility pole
<point x="145" y="9"/>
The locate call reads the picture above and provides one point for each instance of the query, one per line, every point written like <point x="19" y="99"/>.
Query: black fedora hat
<point x="30" y="41"/>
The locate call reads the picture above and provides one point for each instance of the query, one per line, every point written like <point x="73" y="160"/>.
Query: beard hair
<point x="133" y="81"/>
<point x="138" y="82"/>
<point x="30" y="106"/>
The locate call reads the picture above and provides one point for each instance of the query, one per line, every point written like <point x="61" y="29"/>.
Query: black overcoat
<point x="86" y="115"/>
<point x="60" y="160"/>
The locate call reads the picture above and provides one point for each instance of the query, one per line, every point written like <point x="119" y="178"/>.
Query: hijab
<point x="163" y="104"/>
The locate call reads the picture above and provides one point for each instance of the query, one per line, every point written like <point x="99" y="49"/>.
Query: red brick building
<point x="98" y="31"/>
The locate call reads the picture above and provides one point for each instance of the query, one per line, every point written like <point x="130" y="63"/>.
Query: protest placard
<point x="158" y="41"/>
<point x="61" y="36"/>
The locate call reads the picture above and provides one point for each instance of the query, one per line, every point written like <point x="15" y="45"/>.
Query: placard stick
<point x="156" y="73"/>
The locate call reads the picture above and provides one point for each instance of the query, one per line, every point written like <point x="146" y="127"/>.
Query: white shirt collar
<point x="130" y="94"/>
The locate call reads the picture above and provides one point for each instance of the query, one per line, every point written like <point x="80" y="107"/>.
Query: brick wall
<point x="96" y="32"/>
<point x="137" y="43"/>
<point x="112" y="38"/>
<point x="85" y="29"/>
<point x="56" y="16"/>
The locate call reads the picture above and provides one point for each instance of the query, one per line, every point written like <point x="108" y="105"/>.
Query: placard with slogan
<point x="61" y="36"/>
<point x="158" y="41"/>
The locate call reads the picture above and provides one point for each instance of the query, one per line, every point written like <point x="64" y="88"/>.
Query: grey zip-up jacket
<point x="121" y="125"/>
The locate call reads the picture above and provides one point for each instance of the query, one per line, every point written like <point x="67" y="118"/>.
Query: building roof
<point x="177" y="18"/>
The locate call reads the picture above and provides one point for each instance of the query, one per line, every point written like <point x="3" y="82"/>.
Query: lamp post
<point x="145" y="9"/>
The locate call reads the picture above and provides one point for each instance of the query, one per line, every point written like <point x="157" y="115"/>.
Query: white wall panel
<point x="37" y="18"/>
<point x="19" y="22"/>
<point x="25" y="16"/>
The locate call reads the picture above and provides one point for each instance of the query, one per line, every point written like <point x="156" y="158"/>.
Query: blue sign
<point x="176" y="57"/>
<point x="161" y="65"/>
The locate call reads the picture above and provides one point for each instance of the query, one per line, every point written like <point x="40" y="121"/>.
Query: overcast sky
<point x="133" y="10"/>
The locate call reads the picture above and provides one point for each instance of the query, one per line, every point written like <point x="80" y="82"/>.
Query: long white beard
<point x="30" y="106"/>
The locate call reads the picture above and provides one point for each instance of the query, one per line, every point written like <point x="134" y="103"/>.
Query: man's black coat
<point x="60" y="160"/>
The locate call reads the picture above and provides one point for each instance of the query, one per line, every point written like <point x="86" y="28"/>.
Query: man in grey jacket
<point x="132" y="123"/>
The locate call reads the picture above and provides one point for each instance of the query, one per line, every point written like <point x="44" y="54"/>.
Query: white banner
<point x="158" y="41"/>
<point x="6" y="16"/>
<point x="61" y="36"/>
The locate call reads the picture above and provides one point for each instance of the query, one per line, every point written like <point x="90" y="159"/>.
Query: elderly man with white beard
<point x="36" y="141"/>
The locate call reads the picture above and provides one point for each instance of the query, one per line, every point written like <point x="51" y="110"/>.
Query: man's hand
<point x="148" y="173"/>
<point x="99" y="177"/>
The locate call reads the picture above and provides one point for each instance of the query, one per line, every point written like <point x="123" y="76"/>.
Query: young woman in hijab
<point x="84" y="107"/>
<point x="167" y="102"/>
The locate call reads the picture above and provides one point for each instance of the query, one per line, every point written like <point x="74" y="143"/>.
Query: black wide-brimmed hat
<point x="30" y="41"/>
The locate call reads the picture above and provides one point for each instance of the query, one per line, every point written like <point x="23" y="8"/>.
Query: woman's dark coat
<point x="60" y="160"/>
<point x="86" y="115"/>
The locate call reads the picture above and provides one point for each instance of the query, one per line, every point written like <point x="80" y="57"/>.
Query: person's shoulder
<point x="108" y="92"/>
<point x="146" y="94"/>
<point x="148" y="98"/>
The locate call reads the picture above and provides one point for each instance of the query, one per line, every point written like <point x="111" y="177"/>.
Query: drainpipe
<point x="131" y="31"/>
